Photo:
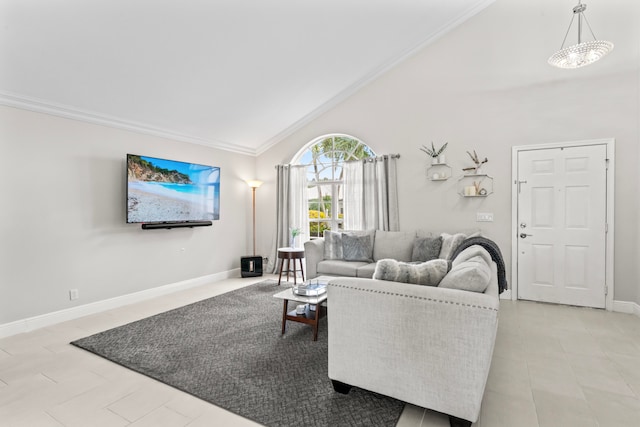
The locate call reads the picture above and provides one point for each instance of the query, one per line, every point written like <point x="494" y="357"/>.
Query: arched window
<point x="323" y="158"/>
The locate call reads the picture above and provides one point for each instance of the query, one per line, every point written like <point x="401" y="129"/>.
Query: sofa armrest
<point x="428" y="346"/>
<point x="313" y="253"/>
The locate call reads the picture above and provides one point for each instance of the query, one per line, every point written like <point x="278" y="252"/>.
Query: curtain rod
<point x="368" y="159"/>
<point x="392" y="156"/>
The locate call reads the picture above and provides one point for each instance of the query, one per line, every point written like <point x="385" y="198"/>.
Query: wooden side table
<point x="290" y="254"/>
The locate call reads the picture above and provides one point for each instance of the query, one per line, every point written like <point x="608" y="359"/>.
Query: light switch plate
<point x="484" y="217"/>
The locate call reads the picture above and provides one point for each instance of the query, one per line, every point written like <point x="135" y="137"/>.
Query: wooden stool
<point x="290" y="254"/>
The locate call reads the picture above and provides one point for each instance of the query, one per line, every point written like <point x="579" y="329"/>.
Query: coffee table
<point x="310" y="317"/>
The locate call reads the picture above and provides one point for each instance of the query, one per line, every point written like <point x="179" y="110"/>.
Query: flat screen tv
<point x="168" y="191"/>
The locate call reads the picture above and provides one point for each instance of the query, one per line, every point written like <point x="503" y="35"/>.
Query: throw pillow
<point x="473" y="251"/>
<point x="449" y="244"/>
<point x="472" y="274"/>
<point x="426" y="248"/>
<point x="332" y="245"/>
<point x="425" y="233"/>
<point x="428" y="273"/>
<point x="357" y="247"/>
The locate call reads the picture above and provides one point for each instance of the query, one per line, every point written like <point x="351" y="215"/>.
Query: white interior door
<point x="562" y="225"/>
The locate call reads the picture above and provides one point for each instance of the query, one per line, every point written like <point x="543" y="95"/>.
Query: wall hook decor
<point x="477" y="168"/>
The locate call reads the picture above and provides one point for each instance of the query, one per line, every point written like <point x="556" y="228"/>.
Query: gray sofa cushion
<point x="393" y="244"/>
<point x="332" y="245"/>
<point x="338" y="267"/>
<point x="366" y="271"/>
<point x="357" y="247"/>
<point x="426" y="248"/>
<point x="470" y="271"/>
<point x="428" y="273"/>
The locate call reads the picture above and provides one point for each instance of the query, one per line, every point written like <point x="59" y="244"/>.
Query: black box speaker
<point x="251" y="266"/>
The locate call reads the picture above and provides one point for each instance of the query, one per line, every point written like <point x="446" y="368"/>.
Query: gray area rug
<point x="228" y="350"/>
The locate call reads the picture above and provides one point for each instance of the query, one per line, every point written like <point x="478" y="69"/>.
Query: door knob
<point x="523" y="225"/>
<point x="523" y="235"/>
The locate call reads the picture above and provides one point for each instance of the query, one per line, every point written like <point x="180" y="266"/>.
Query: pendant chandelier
<point x="583" y="53"/>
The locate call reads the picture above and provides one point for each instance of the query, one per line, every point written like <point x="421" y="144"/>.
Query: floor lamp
<point x="251" y="266"/>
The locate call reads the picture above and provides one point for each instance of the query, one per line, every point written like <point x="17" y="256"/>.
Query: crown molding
<point x="47" y="107"/>
<point x="52" y="108"/>
<point x="373" y="75"/>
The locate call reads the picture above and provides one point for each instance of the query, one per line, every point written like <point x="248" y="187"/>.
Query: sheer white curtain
<point x="291" y="207"/>
<point x="298" y="209"/>
<point x="371" y="194"/>
<point x="353" y="200"/>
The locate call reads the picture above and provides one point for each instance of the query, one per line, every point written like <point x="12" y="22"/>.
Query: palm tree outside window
<point x="323" y="158"/>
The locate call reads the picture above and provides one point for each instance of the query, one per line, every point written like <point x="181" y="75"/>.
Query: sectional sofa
<point x="427" y="344"/>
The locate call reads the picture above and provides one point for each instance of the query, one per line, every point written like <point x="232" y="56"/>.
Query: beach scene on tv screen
<point x="162" y="190"/>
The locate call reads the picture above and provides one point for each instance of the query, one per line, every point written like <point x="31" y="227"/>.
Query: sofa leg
<point x="458" y="422"/>
<point x="340" y="387"/>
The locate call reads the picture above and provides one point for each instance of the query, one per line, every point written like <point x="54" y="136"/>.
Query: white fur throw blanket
<point x="428" y="273"/>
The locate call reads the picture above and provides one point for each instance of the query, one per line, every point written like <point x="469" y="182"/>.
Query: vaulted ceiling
<point x="233" y="74"/>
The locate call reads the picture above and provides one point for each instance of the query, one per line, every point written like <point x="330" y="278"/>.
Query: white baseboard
<point x="506" y="294"/>
<point x="627" y="307"/>
<point x="44" y="320"/>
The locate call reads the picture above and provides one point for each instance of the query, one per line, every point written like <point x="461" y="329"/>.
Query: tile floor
<point x="552" y="366"/>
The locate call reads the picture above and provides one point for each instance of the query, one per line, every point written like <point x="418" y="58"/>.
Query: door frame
<point x="609" y="143"/>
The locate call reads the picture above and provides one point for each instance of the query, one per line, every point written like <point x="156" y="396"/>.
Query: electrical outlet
<point x="73" y="294"/>
<point x="484" y="217"/>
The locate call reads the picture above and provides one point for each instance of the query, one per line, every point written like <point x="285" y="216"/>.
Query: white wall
<point x="62" y="216"/>
<point x="462" y="90"/>
<point x="638" y="184"/>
